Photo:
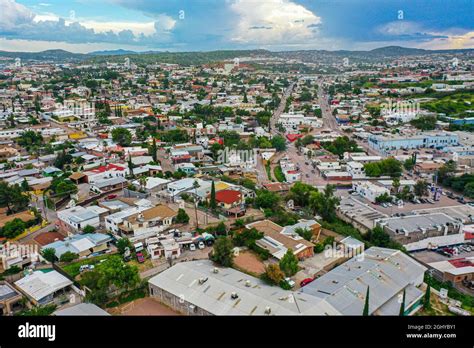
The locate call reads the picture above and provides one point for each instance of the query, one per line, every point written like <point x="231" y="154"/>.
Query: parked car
<point x="306" y="281"/>
<point x="111" y="196"/>
<point x="192" y="247"/>
<point x="140" y="258"/>
<point x="201" y="245"/>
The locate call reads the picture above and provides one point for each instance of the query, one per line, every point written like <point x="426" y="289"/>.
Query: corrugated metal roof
<point x="214" y="294"/>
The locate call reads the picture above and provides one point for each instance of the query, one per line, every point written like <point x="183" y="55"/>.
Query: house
<point x="105" y="172"/>
<point x="10" y="299"/>
<point x="76" y="218"/>
<point x="228" y="198"/>
<point x="167" y="248"/>
<point x="311" y="225"/>
<point x="388" y="273"/>
<point x="456" y="270"/>
<point x="81" y="244"/>
<point x="277" y="242"/>
<point x="43" y="287"/>
<point x="152" y="220"/>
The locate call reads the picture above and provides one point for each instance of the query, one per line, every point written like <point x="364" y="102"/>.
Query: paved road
<point x="329" y="120"/>
<point x="280" y="109"/>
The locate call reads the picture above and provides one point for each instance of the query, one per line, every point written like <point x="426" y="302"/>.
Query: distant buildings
<point x="384" y="144"/>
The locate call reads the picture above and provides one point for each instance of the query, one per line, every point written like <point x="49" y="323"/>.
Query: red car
<point x="111" y="196"/>
<point x="140" y="258"/>
<point x="306" y="281"/>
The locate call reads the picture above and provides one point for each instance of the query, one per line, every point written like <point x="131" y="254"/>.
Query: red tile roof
<point x="228" y="196"/>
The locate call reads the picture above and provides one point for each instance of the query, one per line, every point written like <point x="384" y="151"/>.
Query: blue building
<point x="439" y="140"/>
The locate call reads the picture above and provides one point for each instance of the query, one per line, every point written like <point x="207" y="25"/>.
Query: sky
<point x="201" y="25"/>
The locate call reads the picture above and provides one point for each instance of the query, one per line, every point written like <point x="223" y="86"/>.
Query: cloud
<point x="285" y="21"/>
<point x="407" y="30"/>
<point x="13" y="14"/>
<point x="18" y="22"/>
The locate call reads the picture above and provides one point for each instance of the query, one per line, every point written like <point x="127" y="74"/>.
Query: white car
<point x="201" y="245"/>
<point x="192" y="247"/>
<point x="290" y="282"/>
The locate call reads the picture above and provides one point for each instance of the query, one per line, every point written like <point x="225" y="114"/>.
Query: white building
<point x="356" y="170"/>
<point x="368" y="190"/>
<point x="76" y="218"/>
<point x="291" y="122"/>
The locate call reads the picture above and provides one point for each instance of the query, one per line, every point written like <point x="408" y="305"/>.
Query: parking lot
<point x="431" y="256"/>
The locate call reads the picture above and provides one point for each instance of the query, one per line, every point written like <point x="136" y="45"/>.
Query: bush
<point x="68" y="256"/>
<point x="88" y="229"/>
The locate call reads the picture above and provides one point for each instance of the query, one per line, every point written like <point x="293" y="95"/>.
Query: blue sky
<point x="189" y="25"/>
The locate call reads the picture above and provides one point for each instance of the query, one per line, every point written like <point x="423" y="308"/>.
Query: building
<point x="413" y="228"/>
<point x="42" y="287"/>
<point x="386" y="143"/>
<point x="10" y="299"/>
<point x="356" y="170"/>
<point x="369" y="190"/>
<point x="81" y="244"/>
<point x="228" y="199"/>
<point x="81" y="309"/>
<point x="292" y="122"/>
<point x="277" y="240"/>
<point x="455" y="271"/>
<point x="387" y="273"/>
<point x="200" y="288"/>
<point x="76" y="218"/>
<point x="148" y="221"/>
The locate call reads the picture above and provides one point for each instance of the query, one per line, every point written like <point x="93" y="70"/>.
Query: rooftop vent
<point x="202" y="280"/>
<point x="268" y="310"/>
<point x="215" y="270"/>
<point x="234" y="295"/>
<point x="247" y="283"/>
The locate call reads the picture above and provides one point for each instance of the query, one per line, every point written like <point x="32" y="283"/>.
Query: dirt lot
<point x="143" y="306"/>
<point x="248" y="261"/>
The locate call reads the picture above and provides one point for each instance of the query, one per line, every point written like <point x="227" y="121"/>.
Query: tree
<point x="424" y="123"/>
<point x="427" y="298"/>
<point x="383" y="198"/>
<point x="274" y="274"/>
<point x="62" y="159"/>
<point x="446" y="171"/>
<point x="13" y="228"/>
<point x="130" y="165"/>
<point x="212" y="202"/>
<point x="182" y="217"/>
<point x="12" y="198"/>
<point x="289" y="263"/>
<point x="396" y="184"/>
<point x="30" y="140"/>
<point x="122" y="244"/>
<point x="68" y="256"/>
<point x="153" y="150"/>
<point x="222" y="252"/>
<point x="366" y="305"/>
<point x="324" y="203"/>
<point x="402" y="305"/>
<point x="266" y="199"/>
<point x="25" y="186"/>
<point x="279" y="143"/>
<point x="306" y="233"/>
<point x="49" y="254"/>
<point x="122" y="136"/>
<point x="88" y="229"/>
<point x="421" y="188"/>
